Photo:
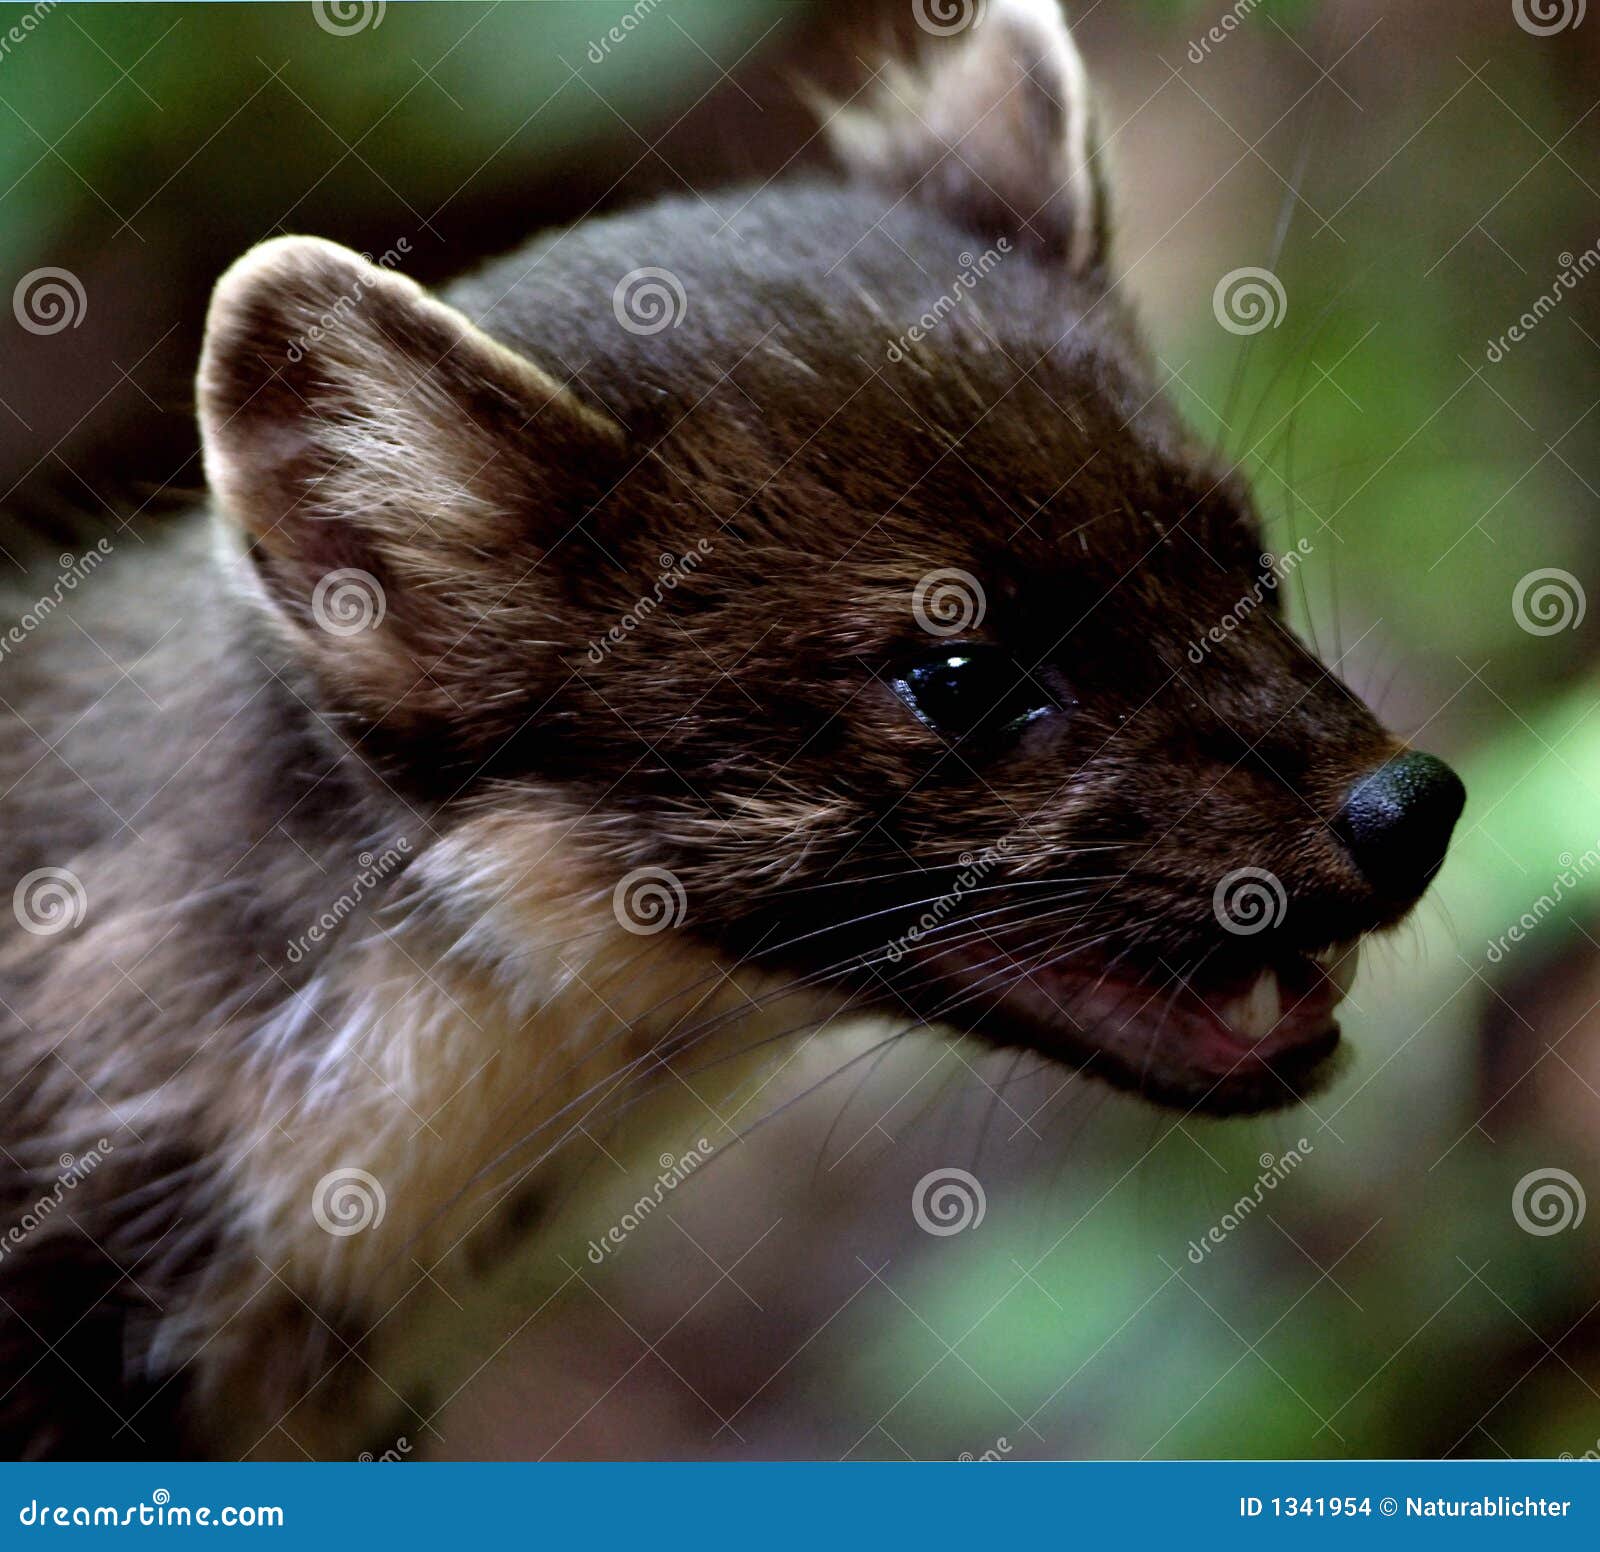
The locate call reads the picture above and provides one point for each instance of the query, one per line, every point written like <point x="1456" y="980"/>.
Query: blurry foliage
<point x="429" y="98"/>
<point x="1428" y="479"/>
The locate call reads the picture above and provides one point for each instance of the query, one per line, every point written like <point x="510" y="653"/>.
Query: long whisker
<point x="659" y="1057"/>
<point x="1286" y="214"/>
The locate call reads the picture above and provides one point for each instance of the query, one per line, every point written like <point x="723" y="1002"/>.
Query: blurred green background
<point x="1417" y="176"/>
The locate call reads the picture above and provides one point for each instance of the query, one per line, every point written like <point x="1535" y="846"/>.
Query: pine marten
<point x="686" y="626"/>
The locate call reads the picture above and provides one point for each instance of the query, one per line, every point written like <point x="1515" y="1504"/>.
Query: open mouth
<point x="1227" y="1040"/>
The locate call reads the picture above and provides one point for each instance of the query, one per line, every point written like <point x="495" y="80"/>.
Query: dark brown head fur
<point x="679" y="573"/>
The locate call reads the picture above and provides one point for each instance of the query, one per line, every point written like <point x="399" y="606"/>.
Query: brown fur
<point x="513" y="474"/>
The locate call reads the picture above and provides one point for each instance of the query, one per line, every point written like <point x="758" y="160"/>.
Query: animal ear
<point x="999" y="132"/>
<point x="376" y="454"/>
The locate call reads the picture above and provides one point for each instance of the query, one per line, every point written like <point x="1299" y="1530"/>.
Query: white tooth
<point x="1343" y="973"/>
<point x="1254" y="1013"/>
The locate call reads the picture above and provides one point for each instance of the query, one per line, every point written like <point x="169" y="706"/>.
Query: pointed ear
<point x="355" y="427"/>
<point x="999" y="132"/>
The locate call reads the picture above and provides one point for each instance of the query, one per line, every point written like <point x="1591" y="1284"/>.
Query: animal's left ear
<point x="1000" y="134"/>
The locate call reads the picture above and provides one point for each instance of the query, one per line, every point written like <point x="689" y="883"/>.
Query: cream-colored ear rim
<point x="884" y="134"/>
<point x="289" y="289"/>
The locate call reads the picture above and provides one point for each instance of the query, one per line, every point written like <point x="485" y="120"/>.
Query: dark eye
<point x="972" y="691"/>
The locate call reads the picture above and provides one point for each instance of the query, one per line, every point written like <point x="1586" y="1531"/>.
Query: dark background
<point x="1384" y="1299"/>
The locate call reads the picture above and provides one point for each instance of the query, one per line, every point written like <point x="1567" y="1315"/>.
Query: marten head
<point x="827" y="555"/>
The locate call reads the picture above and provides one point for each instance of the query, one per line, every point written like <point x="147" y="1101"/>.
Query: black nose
<point x="1397" y="822"/>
